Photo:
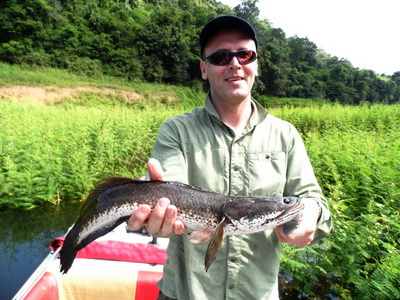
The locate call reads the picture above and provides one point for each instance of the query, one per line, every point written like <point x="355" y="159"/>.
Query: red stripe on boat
<point x="146" y="289"/>
<point x="45" y="289"/>
<point x="120" y="251"/>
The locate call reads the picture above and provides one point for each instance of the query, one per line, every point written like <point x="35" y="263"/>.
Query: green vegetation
<point x="157" y="41"/>
<point x="355" y="154"/>
<point x="50" y="153"/>
<point x="56" y="152"/>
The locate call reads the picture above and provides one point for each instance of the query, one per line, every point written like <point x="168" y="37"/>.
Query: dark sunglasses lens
<point x="246" y="57"/>
<point x="221" y="58"/>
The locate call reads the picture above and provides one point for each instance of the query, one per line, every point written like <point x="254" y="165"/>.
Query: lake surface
<point x="24" y="241"/>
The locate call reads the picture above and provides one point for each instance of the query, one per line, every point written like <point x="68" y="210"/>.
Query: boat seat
<point x="104" y="270"/>
<point x="101" y="279"/>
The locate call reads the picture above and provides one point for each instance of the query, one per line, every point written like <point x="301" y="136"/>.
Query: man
<point x="231" y="146"/>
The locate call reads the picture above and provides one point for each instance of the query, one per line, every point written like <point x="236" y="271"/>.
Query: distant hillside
<point x="157" y="42"/>
<point x="52" y="86"/>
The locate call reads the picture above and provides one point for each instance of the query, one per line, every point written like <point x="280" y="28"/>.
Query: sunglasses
<point x="224" y="58"/>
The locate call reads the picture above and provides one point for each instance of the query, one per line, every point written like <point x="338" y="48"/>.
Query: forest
<point x="156" y="41"/>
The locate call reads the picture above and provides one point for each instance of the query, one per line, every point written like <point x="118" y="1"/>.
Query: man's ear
<point x="203" y="70"/>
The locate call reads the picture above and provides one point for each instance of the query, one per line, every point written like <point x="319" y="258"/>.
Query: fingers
<point x="303" y="235"/>
<point x="300" y="237"/>
<point x="162" y="219"/>
<point x="156" y="219"/>
<point x="138" y="219"/>
<point x="155" y="170"/>
<point x="179" y="227"/>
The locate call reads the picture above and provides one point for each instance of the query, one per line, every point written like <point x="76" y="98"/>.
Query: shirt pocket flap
<point x="263" y="156"/>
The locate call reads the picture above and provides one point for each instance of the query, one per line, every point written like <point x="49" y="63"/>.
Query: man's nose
<point x="235" y="62"/>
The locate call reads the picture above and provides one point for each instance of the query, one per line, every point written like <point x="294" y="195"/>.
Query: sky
<point x="365" y="32"/>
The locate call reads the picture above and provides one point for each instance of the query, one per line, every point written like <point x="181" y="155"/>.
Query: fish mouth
<point x="297" y="208"/>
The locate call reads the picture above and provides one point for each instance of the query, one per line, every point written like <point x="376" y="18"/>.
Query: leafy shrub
<point x="57" y="153"/>
<point x="356" y="160"/>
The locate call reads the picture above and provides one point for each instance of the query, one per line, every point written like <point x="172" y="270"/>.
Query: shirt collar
<point x="259" y="112"/>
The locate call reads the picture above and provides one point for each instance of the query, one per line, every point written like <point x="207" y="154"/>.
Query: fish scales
<point x="209" y="215"/>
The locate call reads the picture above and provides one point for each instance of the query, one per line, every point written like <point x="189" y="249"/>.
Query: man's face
<point x="233" y="82"/>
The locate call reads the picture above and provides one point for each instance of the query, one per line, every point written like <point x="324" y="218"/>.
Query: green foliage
<point x="172" y="96"/>
<point x="355" y="154"/>
<point x="65" y="150"/>
<point x="275" y="102"/>
<point x="157" y="41"/>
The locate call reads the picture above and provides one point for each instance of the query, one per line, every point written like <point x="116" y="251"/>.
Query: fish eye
<point x="286" y="200"/>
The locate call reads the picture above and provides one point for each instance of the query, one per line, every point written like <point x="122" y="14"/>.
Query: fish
<point x="207" y="215"/>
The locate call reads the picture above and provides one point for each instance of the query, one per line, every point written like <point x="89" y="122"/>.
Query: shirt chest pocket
<point x="267" y="173"/>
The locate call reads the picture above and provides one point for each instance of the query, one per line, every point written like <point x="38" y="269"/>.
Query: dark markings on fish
<point x="209" y="215"/>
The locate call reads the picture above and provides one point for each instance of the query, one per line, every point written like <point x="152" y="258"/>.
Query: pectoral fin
<point x="215" y="244"/>
<point x="200" y="236"/>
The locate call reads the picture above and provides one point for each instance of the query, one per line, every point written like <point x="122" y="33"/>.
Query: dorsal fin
<point x="105" y="186"/>
<point x="109" y="184"/>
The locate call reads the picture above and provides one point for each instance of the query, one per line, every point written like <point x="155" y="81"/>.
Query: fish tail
<point x="67" y="255"/>
<point x="71" y="245"/>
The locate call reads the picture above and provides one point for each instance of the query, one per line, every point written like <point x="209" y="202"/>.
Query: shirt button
<point x="236" y="168"/>
<point x="231" y="287"/>
<point x="232" y="259"/>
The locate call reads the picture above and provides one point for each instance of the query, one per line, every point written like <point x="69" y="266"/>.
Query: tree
<point x="396" y="78"/>
<point x="157" y="41"/>
<point x="302" y="53"/>
<point x="248" y="10"/>
<point x="273" y="61"/>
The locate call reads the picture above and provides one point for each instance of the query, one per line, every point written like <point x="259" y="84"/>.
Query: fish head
<point x="249" y="215"/>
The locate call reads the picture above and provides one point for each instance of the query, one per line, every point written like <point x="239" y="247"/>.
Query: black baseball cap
<point x="223" y="23"/>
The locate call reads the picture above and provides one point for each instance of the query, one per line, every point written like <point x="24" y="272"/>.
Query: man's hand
<point x="303" y="235"/>
<point x="163" y="218"/>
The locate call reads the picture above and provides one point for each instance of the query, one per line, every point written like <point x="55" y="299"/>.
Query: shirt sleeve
<point x="301" y="181"/>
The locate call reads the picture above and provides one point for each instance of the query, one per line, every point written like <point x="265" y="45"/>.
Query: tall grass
<point x="56" y="153"/>
<point x="360" y="173"/>
<point x="52" y="153"/>
<point x="355" y="152"/>
<point x="342" y="118"/>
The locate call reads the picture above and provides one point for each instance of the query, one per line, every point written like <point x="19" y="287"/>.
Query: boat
<point x="119" y="265"/>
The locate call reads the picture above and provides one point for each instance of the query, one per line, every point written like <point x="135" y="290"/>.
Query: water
<point x="24" y="241"/>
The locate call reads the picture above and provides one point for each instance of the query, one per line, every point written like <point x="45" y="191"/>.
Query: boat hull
<point x="119" y="265"/>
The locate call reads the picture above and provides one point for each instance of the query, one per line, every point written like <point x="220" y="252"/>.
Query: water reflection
<point x="24" y="241"/>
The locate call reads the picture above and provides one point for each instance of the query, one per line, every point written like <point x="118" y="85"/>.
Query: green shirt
<point x="267" y="159"/>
